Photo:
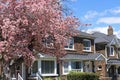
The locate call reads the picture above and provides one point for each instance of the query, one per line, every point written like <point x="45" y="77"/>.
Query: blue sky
<point x="99" y="13"/>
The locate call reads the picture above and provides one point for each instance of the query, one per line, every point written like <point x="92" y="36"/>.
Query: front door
<point x="112" y="72"/>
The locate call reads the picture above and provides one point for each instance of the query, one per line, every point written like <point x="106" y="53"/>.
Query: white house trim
<point x="100" y="56"/>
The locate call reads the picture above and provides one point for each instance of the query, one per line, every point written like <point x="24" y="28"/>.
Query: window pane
<point x="47" y="67"/>
<point x="66" y="65"/>
<point x="108" y="50"/>
<point x="112" y="50"/>
<point x="86" y="44"/>
<point x="76" y="65"/>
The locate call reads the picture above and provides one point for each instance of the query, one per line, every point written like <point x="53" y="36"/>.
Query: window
<point x="87" y="45"/>
<point x="76" y="66"/>
<point x="72" y="66"/>
<point x="47" y="67"/>
<point x="110" y="51"/>
<point x="66" y="67"/>
<point x="70" y="44"/>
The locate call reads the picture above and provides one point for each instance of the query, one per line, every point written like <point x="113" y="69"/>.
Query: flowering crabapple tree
<point x="27" y="26"/>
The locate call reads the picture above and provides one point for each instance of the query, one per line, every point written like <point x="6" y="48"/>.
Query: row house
<point x="80" y="56"/>
<point x="109" y="46"/>
<point x="96" y="52"/>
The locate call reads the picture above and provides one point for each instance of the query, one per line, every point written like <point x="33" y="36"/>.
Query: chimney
<point x="110" y="30"/>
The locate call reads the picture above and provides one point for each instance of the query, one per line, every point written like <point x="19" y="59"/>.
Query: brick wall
<point x="78" y="45"/>
<point x="102" y="71"/>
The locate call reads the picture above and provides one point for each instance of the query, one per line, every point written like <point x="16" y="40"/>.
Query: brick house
<point x="97" y="52"/>
<point x="80" y="56"/>
<point x="109" y="46"/>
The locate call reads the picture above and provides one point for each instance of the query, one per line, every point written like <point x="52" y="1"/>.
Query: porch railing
<point x="19" y="77"/>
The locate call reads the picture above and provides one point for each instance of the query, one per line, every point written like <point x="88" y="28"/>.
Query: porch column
<point x="69" y="66"/>
<point x="82" y="65"/>
<point x="39" y="66"/>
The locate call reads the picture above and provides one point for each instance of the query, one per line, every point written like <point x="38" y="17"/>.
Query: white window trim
<point x="73" y="45"/>
<point x="87" y="47"/>
<point x="69" y="67"/>
<point x="110" y="51"/>
<point x="50" y="74"/>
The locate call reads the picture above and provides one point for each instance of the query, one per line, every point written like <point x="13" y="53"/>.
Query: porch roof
<point x="113" y="61"/>
<point x="43" y="55"/>
<point x="85" y="56"/>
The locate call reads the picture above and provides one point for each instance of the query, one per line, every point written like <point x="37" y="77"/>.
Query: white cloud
<point x="103" y="30"/>
<point x="108" y="12"/>
<point x="90" y="14"/>
<point x="117" y="33"/>
<point x="114" y="10"/>
<point x="98" y="29"/>
<point x="109" y="20"/>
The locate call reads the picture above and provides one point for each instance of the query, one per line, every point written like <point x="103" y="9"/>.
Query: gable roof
<point x="106" y="39"/>
<point x="85" y="35"/>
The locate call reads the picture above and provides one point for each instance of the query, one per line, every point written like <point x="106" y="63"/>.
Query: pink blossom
<point x="27" y="23"/>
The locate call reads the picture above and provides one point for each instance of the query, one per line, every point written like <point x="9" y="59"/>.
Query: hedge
<point x="82" y="76"/>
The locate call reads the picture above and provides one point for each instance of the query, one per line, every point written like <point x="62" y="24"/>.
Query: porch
<point x="113" y="69"/>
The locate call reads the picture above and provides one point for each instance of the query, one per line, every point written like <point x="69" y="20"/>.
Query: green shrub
<point x="82" y="76"/>
<point x="45" y="78"/>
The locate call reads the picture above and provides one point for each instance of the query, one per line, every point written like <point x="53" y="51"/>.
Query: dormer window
<point x="110" y="51"/>
<point x="70" y="44"/>
<point x="87" y="45"/>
